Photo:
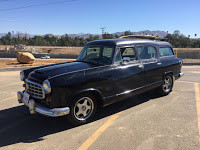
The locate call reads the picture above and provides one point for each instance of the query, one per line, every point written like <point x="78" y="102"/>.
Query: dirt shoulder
<point x="7" y="63"/>
<point x="191" y="60"/>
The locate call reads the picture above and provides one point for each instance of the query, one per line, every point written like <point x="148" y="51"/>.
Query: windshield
<point x="97" y="54"/>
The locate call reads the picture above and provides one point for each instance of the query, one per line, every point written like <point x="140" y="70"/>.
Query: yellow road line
<point x="8" y="98"/>
<point x="10" y="84"/>
<point x="98" y="132"/>
<point x="186" y="82"/>
<point x="196" y="85"/>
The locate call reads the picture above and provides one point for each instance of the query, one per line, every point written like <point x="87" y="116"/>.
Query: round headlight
<point x="22" y="77"/>
<point x="47" y="87"/>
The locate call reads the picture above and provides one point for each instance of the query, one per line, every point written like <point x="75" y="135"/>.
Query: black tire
<point x="167" y="85"/>
<point x="88" y="104"/>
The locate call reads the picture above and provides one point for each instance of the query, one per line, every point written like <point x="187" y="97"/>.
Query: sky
<point x="88" y="16"/>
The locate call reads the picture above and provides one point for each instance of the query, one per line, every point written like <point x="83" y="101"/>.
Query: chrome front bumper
<point x="177" y="76"/>
<point x="181" y="74"/>
<point x="34" y="107"/>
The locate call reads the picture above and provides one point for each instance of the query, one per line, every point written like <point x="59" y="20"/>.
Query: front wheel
<point x="82" y="109"/>
<point x="167" y="85"/>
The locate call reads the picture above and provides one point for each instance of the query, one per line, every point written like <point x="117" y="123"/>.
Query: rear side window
<point x="129" y="52"/>
<point x="165" y="51"/>
<point x="146" y="52"/>
<point x="126" y="52"/>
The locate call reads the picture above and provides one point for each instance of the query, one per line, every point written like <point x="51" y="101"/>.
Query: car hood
<point x="44" y="73"/>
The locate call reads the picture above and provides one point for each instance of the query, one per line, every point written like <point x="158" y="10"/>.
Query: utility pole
<point x="103" y="29"/>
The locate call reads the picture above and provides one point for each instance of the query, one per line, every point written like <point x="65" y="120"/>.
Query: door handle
<point x="159" y="63"/>
<point x="141" y="66"/>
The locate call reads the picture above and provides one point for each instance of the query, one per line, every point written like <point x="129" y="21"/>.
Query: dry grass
<point x="5" y="63"/>
<point x="191" y="60"/>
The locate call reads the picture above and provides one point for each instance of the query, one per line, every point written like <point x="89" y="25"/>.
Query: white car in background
<point x="45" y="57"/>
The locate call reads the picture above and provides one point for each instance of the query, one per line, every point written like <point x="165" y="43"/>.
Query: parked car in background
<point x="20" y="46"/>
<point x="105" y="72"/>
<point x="45" y="57"/>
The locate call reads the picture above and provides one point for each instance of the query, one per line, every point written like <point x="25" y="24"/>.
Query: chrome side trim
<point x="129" y="91"/>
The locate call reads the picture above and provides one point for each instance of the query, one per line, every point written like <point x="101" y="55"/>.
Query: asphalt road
<point x="143" y="122"/>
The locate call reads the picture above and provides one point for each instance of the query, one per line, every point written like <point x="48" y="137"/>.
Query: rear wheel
<point x="167" y="85"/>
<point x="82" y="109"/>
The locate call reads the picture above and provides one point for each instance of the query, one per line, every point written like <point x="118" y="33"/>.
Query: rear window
<point x="165" y="51"/>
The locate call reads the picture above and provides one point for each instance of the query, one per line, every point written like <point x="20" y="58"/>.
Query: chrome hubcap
<point x="167" y="83"/>
<point x="83" y="108"/>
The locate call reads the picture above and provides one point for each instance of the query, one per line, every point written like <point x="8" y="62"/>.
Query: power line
<point x="103" y="29"/>
<point x="30" y="6"/>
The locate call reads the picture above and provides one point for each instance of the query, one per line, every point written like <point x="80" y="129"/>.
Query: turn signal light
<point x="48" y="100"/>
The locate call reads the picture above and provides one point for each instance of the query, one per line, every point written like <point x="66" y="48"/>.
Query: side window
<point x="118" y="57"/>
<point x="107" y="52"/>
<point x="146" y="52"/>
<point x="125" y="52"/>
<point x="165" y="51"/>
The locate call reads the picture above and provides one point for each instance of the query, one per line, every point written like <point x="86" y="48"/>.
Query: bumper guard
<point x="34" y="107"/>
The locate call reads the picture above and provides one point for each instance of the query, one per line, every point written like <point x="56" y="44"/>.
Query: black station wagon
<point x="105" y="72"/>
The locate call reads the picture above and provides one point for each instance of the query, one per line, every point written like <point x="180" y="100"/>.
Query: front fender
<point x="94" y="91"/>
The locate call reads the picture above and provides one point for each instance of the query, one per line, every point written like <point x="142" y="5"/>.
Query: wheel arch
<point x="93" y="91"/>
<point x="168" y="73"/>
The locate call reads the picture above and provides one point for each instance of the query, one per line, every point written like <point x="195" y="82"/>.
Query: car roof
<point x="123" y="42"/>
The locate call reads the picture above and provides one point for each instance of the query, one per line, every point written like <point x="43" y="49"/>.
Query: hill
<point x="161" y="34"/>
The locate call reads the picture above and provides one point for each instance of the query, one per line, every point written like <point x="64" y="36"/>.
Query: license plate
<point x="26" y="98"/>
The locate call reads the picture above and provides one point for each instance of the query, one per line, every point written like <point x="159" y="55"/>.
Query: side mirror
<point x="126" y="59"/>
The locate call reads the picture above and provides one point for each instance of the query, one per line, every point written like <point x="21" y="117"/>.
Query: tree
<point x="91" y="38"/>
<point x="195" y="35"/>
<point x="51" y="40"/>
<point x="116" y="36"/>
<point x="6" y="40"/>
<point x="128" y="33"/>
<point x="107" y="36"/>
<point x="96" y="37"/>
<point x="176" y="39"/>
<point x="38" y="40"/>
<point x="176" y="32"/>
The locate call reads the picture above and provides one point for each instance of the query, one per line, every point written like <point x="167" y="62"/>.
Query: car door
<point x="130" y="73"/>
<point x="148" y="57"/>
<point x="166" y="57"/>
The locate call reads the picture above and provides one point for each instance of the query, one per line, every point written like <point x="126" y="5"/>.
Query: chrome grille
<point x="35" y="89"/>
